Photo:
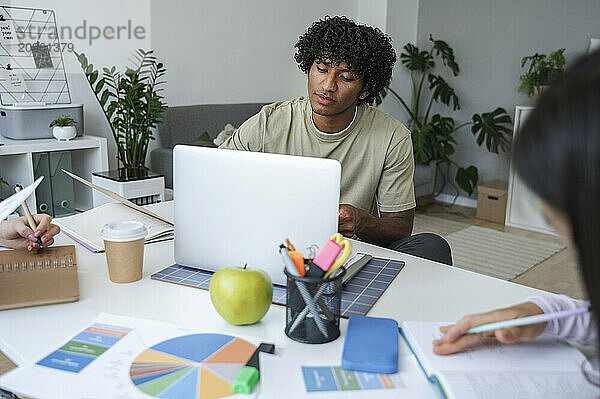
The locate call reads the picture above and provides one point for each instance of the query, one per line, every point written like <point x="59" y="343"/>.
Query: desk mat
<point x="358" y="296"/>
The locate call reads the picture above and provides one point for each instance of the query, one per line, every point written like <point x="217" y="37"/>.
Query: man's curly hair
<point x="367" y="51"/>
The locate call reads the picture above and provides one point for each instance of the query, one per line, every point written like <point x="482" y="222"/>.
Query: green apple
<point x="241" y="295"/>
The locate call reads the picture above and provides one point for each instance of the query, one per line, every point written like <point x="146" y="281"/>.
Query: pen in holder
<point x="317" y="321"/>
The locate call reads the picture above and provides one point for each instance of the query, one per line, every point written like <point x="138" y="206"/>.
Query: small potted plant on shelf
<point x="63" y="128"/>
<point x="133" y="107"/>
<point x="542" y="70"/>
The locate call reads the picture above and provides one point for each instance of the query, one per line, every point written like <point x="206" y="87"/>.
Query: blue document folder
<point x="371" y="345"/>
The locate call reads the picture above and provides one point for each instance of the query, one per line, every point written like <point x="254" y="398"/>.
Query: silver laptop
<point x="236" y="207"/>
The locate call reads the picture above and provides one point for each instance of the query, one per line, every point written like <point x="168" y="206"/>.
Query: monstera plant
<point x="433" y="135"/>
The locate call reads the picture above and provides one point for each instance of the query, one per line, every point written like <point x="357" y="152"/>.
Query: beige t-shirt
<point x="375" y="151"/>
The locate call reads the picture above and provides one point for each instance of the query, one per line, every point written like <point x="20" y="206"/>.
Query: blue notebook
<point x="371" y="345"/>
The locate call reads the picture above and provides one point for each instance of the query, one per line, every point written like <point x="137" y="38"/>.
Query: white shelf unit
<point x="88" y="154"/>
<point x="522" y="207"/>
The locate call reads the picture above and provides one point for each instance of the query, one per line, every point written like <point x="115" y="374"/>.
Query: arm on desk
<point x="382" y="231"/>
<point x="581" y="328"/>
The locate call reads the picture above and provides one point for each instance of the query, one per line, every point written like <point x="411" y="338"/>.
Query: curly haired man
<point x="347" y="65"/>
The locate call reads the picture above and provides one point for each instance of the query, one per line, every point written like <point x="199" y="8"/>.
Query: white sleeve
<point x="581" y="328"/>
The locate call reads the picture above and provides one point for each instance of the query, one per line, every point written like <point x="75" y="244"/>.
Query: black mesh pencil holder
<point x="313" y="308"/>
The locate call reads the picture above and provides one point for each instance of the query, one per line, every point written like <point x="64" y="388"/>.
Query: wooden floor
<point x="558" y="274"/>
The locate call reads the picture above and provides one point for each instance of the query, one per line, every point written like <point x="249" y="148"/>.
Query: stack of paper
<point x="85" y="227"/>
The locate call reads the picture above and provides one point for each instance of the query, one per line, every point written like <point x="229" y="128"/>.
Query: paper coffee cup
<point x="124" y="245"/>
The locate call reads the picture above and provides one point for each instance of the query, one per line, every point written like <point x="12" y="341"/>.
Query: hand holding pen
<point x="521" y="322"/>
<point x="17" y="234"/>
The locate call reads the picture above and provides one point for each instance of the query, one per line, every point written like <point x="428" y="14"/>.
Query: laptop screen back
<point x="235" y="207"/>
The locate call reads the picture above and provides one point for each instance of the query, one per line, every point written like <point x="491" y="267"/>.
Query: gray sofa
<point x="185" y="124"/>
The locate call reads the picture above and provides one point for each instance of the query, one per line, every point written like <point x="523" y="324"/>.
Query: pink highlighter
<point x="324" y="259"/>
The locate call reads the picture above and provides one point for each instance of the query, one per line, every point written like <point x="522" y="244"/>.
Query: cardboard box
<point x="491" y="201"/>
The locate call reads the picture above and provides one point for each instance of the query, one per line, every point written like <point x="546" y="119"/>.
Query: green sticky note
<point x="245" y="380"/>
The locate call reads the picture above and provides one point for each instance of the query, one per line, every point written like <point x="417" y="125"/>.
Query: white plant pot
<point x="64" y="133"/>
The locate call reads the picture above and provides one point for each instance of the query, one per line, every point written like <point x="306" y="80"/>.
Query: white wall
<point x="229" y="51"/>
<point x="401" y="25"/>
<point x="489" y="38"/>
<point x="373" y="13"/>
<point x="235" y="51"/>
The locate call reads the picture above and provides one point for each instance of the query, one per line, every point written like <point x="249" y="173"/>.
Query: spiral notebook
<point x="38" y="278"/>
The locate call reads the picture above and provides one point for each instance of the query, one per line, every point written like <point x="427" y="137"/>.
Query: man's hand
<point x="455" y="339"/>
<point x="350" y="220"/>
<point x="384" y="230"/>
<point x="16" y="233"/>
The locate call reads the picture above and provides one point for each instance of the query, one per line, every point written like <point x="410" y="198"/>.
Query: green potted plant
<point x="63" y="128"/>
<point x="131" y="103"/>
<point x="541" y="71"/>
<point x="133" y="106"/>
<point x="432" y="135"/>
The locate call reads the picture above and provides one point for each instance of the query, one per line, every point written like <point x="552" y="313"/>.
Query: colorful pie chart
<point x="198" y="366"/>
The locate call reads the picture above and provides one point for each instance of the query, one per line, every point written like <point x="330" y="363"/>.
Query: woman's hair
<point x="367" y="51"/>
<point x="557" y="154"/>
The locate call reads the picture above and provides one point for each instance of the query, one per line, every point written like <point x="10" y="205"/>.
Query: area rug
<point x="432" y="224"/>
<point x="497" y="254"/>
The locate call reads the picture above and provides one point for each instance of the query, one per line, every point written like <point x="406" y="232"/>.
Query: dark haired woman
<point x="557" y="154"/>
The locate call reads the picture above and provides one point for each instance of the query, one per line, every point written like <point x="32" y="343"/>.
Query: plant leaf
<point x="82" y="60"/>
<point x="104" y="98"/>
<point x="92" y="77"/>
<point x="442" y="141"/>
<point x="446" y="52"/>
<point x="493" y="128"/>
<point x="99" y="86"/>
<point x="416" y="60"/>
<point x="442" y="92"/>
<point x="421" y="144"/>
<point x="379" y="97"/>
<point x="467" y="178"/>
<point x="110" y="110"/>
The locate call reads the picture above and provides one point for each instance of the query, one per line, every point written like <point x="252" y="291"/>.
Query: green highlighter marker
<point x="249" y="375"/>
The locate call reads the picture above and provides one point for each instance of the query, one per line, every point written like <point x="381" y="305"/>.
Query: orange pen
<point x="298" y="260"/>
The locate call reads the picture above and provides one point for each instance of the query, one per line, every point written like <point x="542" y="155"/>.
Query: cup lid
<point x="127" y="230"/>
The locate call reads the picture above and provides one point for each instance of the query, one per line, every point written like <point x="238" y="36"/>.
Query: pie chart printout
<point x="198" y="366"/>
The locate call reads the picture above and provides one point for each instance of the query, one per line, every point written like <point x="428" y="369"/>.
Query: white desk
<point x="423" y="290"/>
